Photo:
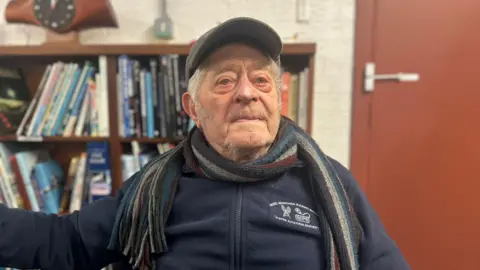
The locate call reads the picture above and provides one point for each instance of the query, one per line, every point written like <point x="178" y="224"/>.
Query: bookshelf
<point x="33" y="60"/>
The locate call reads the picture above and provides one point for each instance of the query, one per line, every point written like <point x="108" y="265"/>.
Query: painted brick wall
<point x="331" y="26"/>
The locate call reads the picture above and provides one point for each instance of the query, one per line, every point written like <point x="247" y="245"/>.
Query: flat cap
<point x="242" y="29"/>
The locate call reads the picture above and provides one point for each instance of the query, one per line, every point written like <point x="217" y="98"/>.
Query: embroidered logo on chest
<point x="295" y="214"/>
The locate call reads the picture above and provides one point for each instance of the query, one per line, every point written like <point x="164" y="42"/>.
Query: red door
<point x="416" y="145"/>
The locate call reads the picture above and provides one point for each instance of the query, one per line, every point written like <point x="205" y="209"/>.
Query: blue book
<point x="149" y="104"/>
<point x="49" y="178"/>
<point x="98" y="177"/>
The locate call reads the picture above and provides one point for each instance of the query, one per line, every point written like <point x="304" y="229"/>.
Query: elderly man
<point x="247" y="189"/>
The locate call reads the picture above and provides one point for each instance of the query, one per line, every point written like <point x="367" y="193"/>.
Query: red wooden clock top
<point x="62" y="16"/>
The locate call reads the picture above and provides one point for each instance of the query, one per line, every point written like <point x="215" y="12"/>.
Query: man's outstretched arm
<point x="32" y="240"/>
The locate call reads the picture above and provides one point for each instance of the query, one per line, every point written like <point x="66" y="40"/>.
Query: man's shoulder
<point x="126" y="185"/>
<point x="336" y="164"/>
<point x="344" y="174"/>
<point x="352" y="187"/>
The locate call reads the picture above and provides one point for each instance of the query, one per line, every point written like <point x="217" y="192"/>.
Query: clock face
<point x="55" y="14"/>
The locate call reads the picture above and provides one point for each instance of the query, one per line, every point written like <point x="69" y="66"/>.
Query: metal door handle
<point x="371" y="77"/>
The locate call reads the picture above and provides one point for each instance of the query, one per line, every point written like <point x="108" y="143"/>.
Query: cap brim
<point x="246" y="30"/>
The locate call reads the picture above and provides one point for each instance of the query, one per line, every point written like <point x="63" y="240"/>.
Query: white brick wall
<point x="331" y="26"/>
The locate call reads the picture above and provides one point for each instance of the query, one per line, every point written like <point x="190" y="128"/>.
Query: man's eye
<point x="224" y="81"/>
<point x="260" y="80"/>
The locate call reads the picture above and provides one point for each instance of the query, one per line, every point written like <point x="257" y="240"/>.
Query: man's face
<point x="237" y="100"/>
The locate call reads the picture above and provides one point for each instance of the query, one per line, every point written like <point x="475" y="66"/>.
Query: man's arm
<point x="32" y="240"/>
<point x="377" y="250"/>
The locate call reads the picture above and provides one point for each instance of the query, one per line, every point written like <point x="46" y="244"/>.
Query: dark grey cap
<point x="242" y="29"/>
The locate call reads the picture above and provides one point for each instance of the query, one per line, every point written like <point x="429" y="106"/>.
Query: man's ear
<point x="189" y="107"/>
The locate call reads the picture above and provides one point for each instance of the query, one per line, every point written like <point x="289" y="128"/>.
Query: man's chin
<point x="249" y="139"/>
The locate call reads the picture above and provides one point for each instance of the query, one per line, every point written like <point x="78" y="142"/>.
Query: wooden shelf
<point x="72" y="139"/>
<point x="150" y="140"/>
<point x="130" y="49"/>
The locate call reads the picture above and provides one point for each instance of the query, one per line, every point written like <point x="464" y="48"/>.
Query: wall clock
<point x="62" y="16"/>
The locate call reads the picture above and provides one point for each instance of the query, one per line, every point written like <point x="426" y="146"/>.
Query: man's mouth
<point x="249" y="118"/>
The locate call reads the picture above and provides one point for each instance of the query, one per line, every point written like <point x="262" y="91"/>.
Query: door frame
<point x="360" y="143"/>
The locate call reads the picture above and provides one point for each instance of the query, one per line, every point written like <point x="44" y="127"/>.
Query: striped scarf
<point x="142" y="214"/>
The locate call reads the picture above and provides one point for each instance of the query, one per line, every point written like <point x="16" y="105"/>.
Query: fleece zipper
<point x="237" y="228"/>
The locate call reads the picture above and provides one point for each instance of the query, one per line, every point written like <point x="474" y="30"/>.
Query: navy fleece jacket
<point x="269" y="225"/>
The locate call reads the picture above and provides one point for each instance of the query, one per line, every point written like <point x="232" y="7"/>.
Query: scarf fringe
<point x="143" y="211"/>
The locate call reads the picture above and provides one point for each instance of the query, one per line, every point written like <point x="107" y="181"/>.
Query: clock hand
<point x="53" y="3"/>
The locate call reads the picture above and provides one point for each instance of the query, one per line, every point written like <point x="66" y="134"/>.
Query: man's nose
<point x="246" y="91"/>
